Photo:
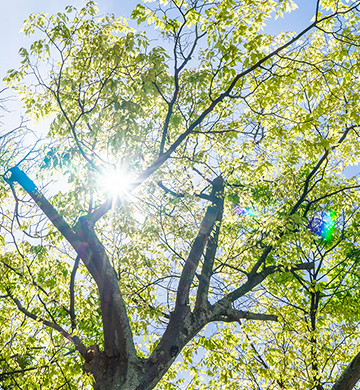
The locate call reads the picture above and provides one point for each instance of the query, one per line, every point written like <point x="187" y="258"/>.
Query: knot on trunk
<point x="91" y="353"/>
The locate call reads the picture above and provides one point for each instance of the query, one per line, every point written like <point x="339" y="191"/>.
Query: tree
<point x="232" y="252"/>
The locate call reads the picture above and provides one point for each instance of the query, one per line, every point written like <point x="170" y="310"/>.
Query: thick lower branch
<point x="72" y="293"/>
<point x="350" y="376"/>
<point x="118" y="339"/>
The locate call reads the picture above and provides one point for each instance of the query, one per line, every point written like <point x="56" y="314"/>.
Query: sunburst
<point x="116" y="182"/>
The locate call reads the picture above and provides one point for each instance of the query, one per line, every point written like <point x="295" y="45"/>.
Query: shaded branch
<point x="72" y="293"/>
<point x="324" y="157"/>
<point x="169" y="191"/>
<point x="101" y="211"/>
<point x="350" y="376"/>
<point x="168" y="115"/>
<point x="191" y="264"/>
<point x="3" y="375"/>
<point x="217" y="196"/>
<point x="181" y="195"/>
<point x="232" y="315"/>
<point x="261" y="260"/>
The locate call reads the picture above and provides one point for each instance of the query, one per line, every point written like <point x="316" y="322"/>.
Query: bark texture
<point x="350" y="376"/>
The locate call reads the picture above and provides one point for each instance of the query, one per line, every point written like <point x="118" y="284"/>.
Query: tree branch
<point x="3" y="375"/>
<point x="169" y="191"/>
<point x="217" y="195"/>
<point x="191" y="264"/>
<point x="232" y="315"/>
<point x="164" y="156"/>
<point x="118" y="338"/>
<point x="181" y="195"/>
<point x="56" y="219"/>
<point x="350" y="376"/>
<point x="253" y="280"/>
<point x="306" y="189"/>
<point x="72" y="293"/>
<point x="76" y="341"/>
<point x="101" y="211"/>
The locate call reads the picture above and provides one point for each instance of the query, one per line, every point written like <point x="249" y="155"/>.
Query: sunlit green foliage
<point x="276" y="116"/>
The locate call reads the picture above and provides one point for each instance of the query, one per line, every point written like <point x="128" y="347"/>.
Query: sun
<point x="116" y="182"/>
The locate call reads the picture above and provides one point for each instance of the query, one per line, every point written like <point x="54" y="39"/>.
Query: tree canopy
<point x="189" y="220"/>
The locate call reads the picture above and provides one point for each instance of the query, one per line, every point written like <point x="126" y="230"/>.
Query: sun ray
<point x="116" y="182"/>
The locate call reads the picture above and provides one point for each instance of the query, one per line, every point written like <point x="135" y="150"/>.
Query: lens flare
<point x="240" y="210"/>
<point x="323" y="224"/>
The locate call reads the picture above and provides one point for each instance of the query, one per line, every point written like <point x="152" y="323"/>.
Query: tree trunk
<point x="114" y="374"/>
<point x="350" y="375"/>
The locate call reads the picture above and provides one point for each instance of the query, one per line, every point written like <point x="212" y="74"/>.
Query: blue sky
<point x="12" y="15"/>
<point x="14" y="12"/>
